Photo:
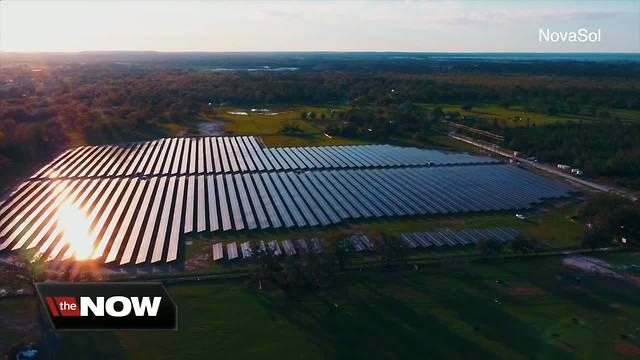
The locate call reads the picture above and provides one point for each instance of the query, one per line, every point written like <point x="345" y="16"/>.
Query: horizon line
<point x="311" y="51"/>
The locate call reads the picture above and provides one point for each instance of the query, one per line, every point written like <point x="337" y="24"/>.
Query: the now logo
<point x="108" y="305"/>
<point x="116" y="306"/>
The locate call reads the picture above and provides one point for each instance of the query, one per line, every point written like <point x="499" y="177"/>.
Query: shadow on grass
<point x="367" y="323"/>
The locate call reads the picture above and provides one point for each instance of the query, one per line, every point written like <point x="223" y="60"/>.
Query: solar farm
<point x="361" y="242"/>
<point x="134" y="203"/>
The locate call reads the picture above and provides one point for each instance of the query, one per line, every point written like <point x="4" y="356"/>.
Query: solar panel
<point x="225" y="218"/>
<point x="288" y="247"/>
<point x="302" y="245"/>
<point x="201" y="155"/>
<point x="224" y="158"/>
<point x="278" y="203"/>
<point x="51" y="226"/>
<point x="175" y="168"/>
<point x="193" y="159"/>
<point x="137" y="225"/>
<point x="208" y="162"/>
<point x="255" y="201"/>
<point x="242" y="165"/>
<point x="298" y="199"/>
<point x="34" y="219"/>
<point x="306" y="189"/>
<point x="232" y="251"/>
<point x="285" y="160"/>
<point x="368" y="191"/>
<point x="174" y="234"/>
<point x="407" y="240"/>
<point x="166" y="170"/>
<point x="231" y="156"/>
<point x="328" y="194"/>
<point x="130" y="214"/>
<point x="249" y="165"/>
<point x="286" y="197"/>
<point x="213" y="210"/>
<point x="233" y="201"/>
<point x="246" y="249"/>
<point x="137" y="188"/>
<point x="256" y="159"/>
<point x="154" y="156"/>
<point x="151" y="223"/>
<point x="244" y="200"/>
<point x="316" y="245"/>
<point x="215" y="152"/>
<point x="275" y="248"/>
<point x="184" y="164"/>
<point x="113" y="208"/>
<point x="217" y="251"/>
<point x="361" y="201"/>
<point x="161" y="236"/>
<point x="343" y="203"/>
<point x="190" y="204"/>
<point x="201" y="199"/>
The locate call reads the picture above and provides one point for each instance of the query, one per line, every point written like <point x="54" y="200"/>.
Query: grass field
<point x="18" y="322"/>
<point x="269" y="127"/>
<point x="506" y="116"/>
<point x="550" y="225"/>
<point x="447" y="310"/>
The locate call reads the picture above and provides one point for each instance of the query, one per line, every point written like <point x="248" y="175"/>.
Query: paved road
<point x="546" y="167"/>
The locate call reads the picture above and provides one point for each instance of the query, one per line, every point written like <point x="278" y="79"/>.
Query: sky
<point x="439" y="26"/>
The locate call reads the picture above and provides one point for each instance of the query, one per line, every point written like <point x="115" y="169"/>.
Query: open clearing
<point x="506" y="116"/>
<point x="448" y="310"/>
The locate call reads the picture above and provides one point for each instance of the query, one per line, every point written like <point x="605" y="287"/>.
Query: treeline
<point x="610" y="219"/>
<point x="606" y="148"/>
<point x="44" y="108"/>
<point x="383" y="123"/>
<point x="315" y="270"/>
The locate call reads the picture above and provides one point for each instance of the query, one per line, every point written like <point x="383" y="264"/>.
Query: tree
<point x="610" y="217"/>
<point x="293" y="276"/>
<point x="35" y="266"/>
<point x="437" y="113"/>
<point x="390" y="249"/>
<point x="265" y="266"/>
<point x="489" y="247"/>
<point x="341" y="250"/>
<point x="595" y="238"/>
<point x="291" y="128"/>
<point x="525" y="244"/>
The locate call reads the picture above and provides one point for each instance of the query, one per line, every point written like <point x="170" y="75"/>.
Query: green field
<point x="448" y="310"/>
<point x="506" y="116"/>
<point x="269" y="127"/>
<point x="550" y="225"/>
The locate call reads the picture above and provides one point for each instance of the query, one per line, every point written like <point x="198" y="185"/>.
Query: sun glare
<point x="75" y="228"/>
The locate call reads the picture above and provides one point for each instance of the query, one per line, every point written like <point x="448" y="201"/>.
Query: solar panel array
<point x="361" y="242"/>
<point x="446" y="237"/>
<point x="213" y="155"/>
<point x="140" y="219"/>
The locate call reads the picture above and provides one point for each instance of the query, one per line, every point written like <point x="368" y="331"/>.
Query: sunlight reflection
<point x="75" y="227"/>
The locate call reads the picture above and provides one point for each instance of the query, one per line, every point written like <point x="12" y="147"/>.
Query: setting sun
<point x="75" y="228"/>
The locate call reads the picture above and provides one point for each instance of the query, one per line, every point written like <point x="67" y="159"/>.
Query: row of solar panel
<point x="275" y="248"/>
<point x="146" y="217"/>
<point x="443" y="237"/>
<point x="446" y="237"/>
<point x="209" y="155"/>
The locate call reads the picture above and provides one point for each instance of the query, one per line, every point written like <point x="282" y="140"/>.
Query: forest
<point x="47" y="104"/>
